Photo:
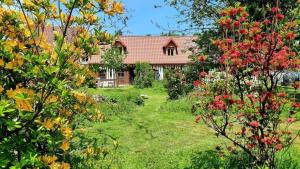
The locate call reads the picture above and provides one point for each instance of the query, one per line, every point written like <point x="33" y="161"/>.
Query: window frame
<point x="123" y="76"/>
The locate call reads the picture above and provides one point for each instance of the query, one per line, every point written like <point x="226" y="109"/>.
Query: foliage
<point x="250" y="113"/>
<point x="38" y="79"/>
<point x="116" y="102"/>
<point x="174" y="84"/>
<point x="216" y="159"/>
<point x="144" y="75"/>
<point x="113" y="59"/>
<point x="202" y="17"/>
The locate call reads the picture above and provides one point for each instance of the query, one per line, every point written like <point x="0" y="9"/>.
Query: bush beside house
<point x="144" y="75"/>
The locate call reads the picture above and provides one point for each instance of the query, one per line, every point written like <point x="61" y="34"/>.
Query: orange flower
<point x="1" y="89"/>
<point x="1" y="63"/>
<point x="118" y="7"/>
<point x="65" y="145"/>
<point x="9" y="66"/>
<point x="23" y="104"/>
<point x="67" y="132"/>
<point x="79" y="96"/>
<point x="48" y="159"/>
<point x="65" y="165"/>
<point x="10" y="93"/>
<point x="48" y="124"/>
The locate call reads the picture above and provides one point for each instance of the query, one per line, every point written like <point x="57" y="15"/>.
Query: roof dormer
<point x="121" y="46"/>
<point x="170" y="48"/>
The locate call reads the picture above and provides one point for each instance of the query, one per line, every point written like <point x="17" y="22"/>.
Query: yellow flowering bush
<point x="39" y="77"/>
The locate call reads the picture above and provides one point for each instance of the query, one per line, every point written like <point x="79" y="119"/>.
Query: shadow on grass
<point x="212" y="159"/>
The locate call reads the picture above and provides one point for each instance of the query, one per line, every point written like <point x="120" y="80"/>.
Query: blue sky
<point x="144" y="17"/>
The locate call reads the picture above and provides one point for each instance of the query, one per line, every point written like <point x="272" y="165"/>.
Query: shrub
<point x="144" y="75"/>
<point x="246" y="108"/>
<point x="174" y="84"/>
<point x="39" y="79"/>
<point x="118" y="101"/>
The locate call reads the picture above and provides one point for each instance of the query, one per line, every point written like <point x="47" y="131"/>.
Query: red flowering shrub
<point x="248" y="113"/>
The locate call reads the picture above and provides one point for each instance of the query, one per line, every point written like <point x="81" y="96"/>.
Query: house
<point x="160" y="52"/>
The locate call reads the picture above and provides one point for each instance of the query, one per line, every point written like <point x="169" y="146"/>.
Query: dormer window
<point x="170" y="48"/>
<point x="171" y="51"/>
<point x="85" y="60"/>
<point x="121" y="47"/>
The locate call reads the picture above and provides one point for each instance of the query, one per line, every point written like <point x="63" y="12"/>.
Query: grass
<point x="161" y="134"/>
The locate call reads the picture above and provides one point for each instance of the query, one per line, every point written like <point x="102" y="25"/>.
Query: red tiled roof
<point x="49" y="33"/>
<point x="150" y="49"/>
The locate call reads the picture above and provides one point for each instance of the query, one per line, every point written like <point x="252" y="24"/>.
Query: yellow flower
<point x="89" y="151"/>
<point x="20" y="60"/>
<point x="9" y="66"/>
<point x="89" y="6"/>
<point x="53" y="57"/>
<point x="118" y="7"/>
<point x="8" y="2"/>
<point x="54" y="166"/>
<point x="52" y="99"/>
<point x="23" y="104"/>
<point x="65" y="145"/>
<point x="1" y="89"/>
<point x="11" y="43"/>
<point x="79" y="96"/>
<point x="1" y="63"/>
<point x="65" y="165"/>
<point x="48" y="124"/>
<point x="66" y="112"/>
<point x="80" y="80"/>
<point x="10" y="93"/>
<point x="48" y="159"/>
<point x="67" y="132"/>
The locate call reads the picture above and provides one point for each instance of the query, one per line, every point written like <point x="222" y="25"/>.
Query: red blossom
<point x="229" y="40"/>
<point x="197" y="119"/>
<point x="291" y="120"/>
<point x="242" y="19"/>
<point x="280" y="16"/>
<point x="218" y="103"/>
<point x="197" y="83"/>
<point x="278" y="147"/>
<point x="243" y="31"/>
<point x="296" y="105"/>
<point x="267" y="22"/>
<point x="245" y="14"/>
<point x="255" y="30"/>
<point x="254" y="124"/>
<point x="249" y="83"/>
<point x="290" y="36"/>
<point x="233" y="12"/>
<point x="296" y="85"/>
<point x="257" y="38"/>
<point x="251" y="145"/>
<point x="236" y="24"/>
<point x="201" y="58"/>
<point x="203" y="74"/>
<point x="275" y="9"/>
<point x="281" y="94"/>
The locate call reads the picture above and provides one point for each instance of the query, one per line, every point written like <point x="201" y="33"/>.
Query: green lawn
<point x="161" y="134"/>
<point x="152" y="137"/>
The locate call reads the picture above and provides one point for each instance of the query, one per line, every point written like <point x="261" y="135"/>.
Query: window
<point x="170" y="51"/>
<point x="102" y="74"/>
<point x="85" y="59"/>
<point x="121" y="75"/>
